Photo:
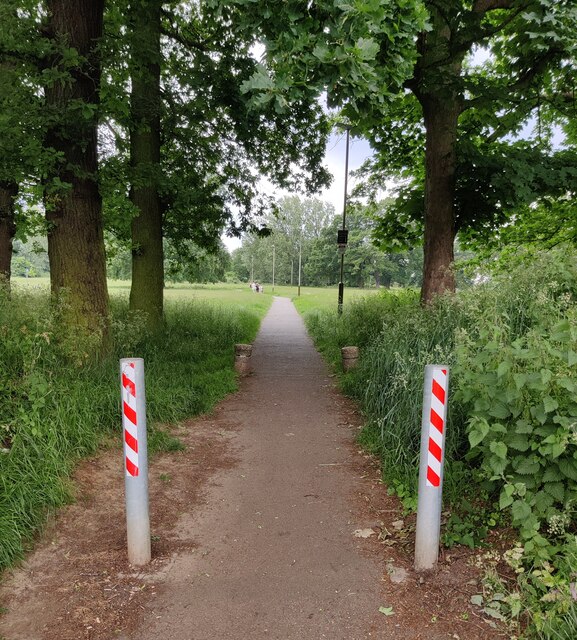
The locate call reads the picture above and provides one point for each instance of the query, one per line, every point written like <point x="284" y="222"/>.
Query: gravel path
<point x="276" y="554"/>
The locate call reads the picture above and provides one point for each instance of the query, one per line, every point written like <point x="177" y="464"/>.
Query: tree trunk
<point x="74" y="214"/>
<point x="147" y="291"/>
<point x="8" y="193"/>
<point x="436" y="85"/>
<point x="441" y="117"/>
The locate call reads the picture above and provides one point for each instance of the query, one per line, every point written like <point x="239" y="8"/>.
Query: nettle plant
<point x="523" y="424"/>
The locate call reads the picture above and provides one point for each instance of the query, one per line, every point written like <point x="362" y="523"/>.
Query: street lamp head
<point x="342" y="240"/>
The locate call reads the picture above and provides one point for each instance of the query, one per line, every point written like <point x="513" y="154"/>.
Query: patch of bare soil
<point x="78" y="583"/>
<point x="425" y="605"/>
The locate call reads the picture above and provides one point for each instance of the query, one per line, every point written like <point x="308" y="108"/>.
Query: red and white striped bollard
<point x="434" y="421"/>
<point x="135" y="460"/>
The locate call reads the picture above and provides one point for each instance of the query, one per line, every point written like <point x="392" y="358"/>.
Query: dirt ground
<point x="221" y="566"/>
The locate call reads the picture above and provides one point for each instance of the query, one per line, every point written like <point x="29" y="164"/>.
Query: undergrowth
<point x="53" y="412"/>
<point x="511" y="450"/>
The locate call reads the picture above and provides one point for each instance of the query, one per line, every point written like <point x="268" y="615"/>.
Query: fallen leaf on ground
<point x="363" y="533"/>
<point x="387" y="611"/>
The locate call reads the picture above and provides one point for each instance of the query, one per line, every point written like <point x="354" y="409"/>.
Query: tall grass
<point x="53" y="412"/>
<point x="511" y="346"/>
<point x="398" y="338"/>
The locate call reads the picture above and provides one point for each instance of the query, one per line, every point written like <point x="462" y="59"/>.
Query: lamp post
<point x="342" y="234"/>
<point x="300" y="262"/>
<point x="273" y="257"/>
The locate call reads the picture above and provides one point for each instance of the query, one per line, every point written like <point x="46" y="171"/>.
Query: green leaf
<point x="526" y="466"/>
<point x="550" y="404"/>
<point x="552" y="474"/>
<point x="518" y="441"/>
<point x="500" y="410"/>
<point x="520" y="380"/>
<point x="523" y="426"/>
<point x="479" y="429"/>
<point x="561" y="332"/>
<point x="555" y="489"/>
<point x="543" y="501"/>
<point x="539" y="414"/>
<point x="498" y="465"/>
<point x="568" y="384"/>
<point x="520" y="511"/>
<point x="499" y="449"/>
<point x="368" y="48"/>
<point x="321" y="51"/>
<point x="568" y="468"/>
<point x="259" y="80"/>
<point x="571" y="358"/>
<point x="503" y="368"/>
<point x="477" y="600"/>
<point x="504" y="499"/>
<point x="387" y="611"/>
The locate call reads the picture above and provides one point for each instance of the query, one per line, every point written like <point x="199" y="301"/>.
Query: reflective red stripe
<point x="130" y="413"/>
<point x="131" y="441"/>
<point x="436" y="421"/>
<point x="438" y="392"/>
<point x="131" y="468"/>
<point x="435" y="449"/>
<point x="433" y="478"/>
<point x="129" y="384"/>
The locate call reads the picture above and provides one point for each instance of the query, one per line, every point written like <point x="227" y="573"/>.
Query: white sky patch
<point x="334" y="161"/>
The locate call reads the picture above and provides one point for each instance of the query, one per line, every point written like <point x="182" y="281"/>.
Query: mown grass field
<point x="311" y="298"/>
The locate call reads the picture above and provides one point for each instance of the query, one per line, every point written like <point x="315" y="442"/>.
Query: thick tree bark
<point x="441" y="117"/>
<point x="75" y="228"/>
<point x="8" y="193"/>
<point x="147" y="291"/>
<point x="436" y="86"/>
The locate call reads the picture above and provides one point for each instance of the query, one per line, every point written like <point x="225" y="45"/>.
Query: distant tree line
<point x="309" y="227"/>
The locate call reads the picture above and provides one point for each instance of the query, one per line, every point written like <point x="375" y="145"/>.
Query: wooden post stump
<point x="242" y="354"/>
<point x="350" y="356"/>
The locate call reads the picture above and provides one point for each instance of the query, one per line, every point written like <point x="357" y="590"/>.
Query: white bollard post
<point x="135" y="459"/>
<point x="434" y="421"/>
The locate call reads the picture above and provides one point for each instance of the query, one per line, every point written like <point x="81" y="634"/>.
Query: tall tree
<point x="529" y="42"/>
<point x="147" y="290"/>
<point x="8" y="193"/>
<point x="72" y="199"/>
<point x="213" y="147"/>
<point x="397" y="75"/>
<point x="21" y="157"/>
<point x="293" y="229"/>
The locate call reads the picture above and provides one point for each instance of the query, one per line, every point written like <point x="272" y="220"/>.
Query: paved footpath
<point x="277" y="557"/>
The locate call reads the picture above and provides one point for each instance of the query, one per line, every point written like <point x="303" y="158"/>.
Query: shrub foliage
<point x="511" y="343"/>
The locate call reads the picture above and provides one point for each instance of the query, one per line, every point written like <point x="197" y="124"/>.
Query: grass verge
<point x="54" y="413"/>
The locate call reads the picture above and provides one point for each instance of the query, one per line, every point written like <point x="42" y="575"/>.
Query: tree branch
<point x="181" y="38"/>
<point x="522" y="83"/>
<point x="480" y="34"/>
<point x="483" y="6"/>
<point x="186" y="40"/>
